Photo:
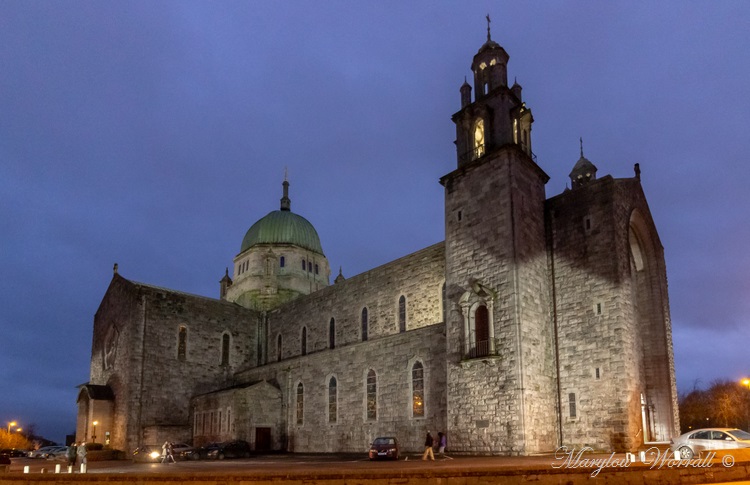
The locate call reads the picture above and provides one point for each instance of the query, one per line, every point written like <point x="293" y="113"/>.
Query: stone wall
<point x="501" y="401"/>
<point x="152" y="384"/>
<point x="418" y="277"/>
<point x="391" y="357"/>
<point x="607" y="347"/>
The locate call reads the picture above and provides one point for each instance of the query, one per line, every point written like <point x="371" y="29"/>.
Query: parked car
<point x="219" y="451"/>
<point x="695" y="442"/>
<point x="384" y="447"/>
<point x="58" y="453"/>
<point x="44" y="451"/>
<point x="13" y="453"/>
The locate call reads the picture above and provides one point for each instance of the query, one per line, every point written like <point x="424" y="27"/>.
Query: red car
<point x="384" y="447"/>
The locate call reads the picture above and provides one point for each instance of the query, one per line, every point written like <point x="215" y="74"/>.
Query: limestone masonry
<point x="537" y="323"/>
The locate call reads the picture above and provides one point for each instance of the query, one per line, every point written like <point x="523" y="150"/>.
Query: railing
<point x="479" y="151"/>
<point x="483" y="348"/>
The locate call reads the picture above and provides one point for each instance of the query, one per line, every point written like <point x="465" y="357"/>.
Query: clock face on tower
<point x="479" y="138"/>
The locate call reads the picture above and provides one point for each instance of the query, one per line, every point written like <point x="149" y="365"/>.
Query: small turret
<point x="224" y="283"/>
<point x="583" y="172"/>
<point x="465" y="93"/>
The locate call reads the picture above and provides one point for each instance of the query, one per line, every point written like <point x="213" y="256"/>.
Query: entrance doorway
<point x="262" y="439"/>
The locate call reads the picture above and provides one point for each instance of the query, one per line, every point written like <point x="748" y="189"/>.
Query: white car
<point x="45" y="451"/>
<point x="693" y="443"/>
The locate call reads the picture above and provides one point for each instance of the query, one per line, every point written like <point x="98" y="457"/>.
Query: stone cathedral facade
<point x="538" y="322"/>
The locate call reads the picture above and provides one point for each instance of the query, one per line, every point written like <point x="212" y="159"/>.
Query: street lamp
<point x="10" y="425"/>
<point x="745" y="381"/>
<point x="93" y="436"/>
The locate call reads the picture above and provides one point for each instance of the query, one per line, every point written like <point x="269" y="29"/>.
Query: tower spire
<point x="286" y="203"/>
<point x="488" y="28"/>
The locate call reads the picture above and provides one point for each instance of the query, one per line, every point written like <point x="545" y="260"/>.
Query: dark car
<point x="147" y="453"/>
<point x="14" y="453"/>
<point x="219" y="451"/>
<point x="384" y="447"/>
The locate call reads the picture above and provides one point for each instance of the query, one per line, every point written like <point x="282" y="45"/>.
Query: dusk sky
<point x="153" y="134"/>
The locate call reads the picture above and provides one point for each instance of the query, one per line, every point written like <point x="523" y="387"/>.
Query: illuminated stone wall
<point x="503" y="402"/>
<point x="612" y="349"/>
<point x="151" y="385"/>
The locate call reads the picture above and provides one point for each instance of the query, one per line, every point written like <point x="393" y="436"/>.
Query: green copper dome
<point x="283" y="227"/>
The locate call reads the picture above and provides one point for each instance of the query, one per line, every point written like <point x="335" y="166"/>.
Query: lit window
<point x="479" y="138"/>
<point x="372" y="395"/>
<point x="417" y="389"/>
<point x="300" y="403"/>
<point x="332" y="400"/>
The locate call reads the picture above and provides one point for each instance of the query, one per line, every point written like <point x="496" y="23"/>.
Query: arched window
<point x="278" y="348"/>
<point x="417" y="390"/>
<point x="402" y="314"/>
<point x="304" y="266"/>
<point x="282" y="261"/>
<point x="364" y="324"/>
<point x="479" y="137"/>
<point x="225" y="349"/>
<point x="332" y="410"/>
<point x="372" y="395"/>
<point x="182" y="343"/>
<point x="316" y="269"/>
<point x="481" y="332"/>
<point x="300" y="403"/>
<point x="332" y="334"/>
<point x="303" y="341"/>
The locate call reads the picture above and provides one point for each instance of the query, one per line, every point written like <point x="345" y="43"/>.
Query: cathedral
<point x="537" y="323"/>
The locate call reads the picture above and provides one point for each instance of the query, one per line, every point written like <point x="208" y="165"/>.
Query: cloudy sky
<point x="154" y="133"/>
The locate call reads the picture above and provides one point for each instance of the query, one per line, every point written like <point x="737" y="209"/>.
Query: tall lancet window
<point x="479" y="145"/>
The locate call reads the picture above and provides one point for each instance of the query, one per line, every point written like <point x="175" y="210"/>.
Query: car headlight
<point x="154" y="454"/>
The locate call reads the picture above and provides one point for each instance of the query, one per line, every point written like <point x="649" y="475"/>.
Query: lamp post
<point x="746" y="383"/>
<point x="10" y="425"/>
<point x="93" y="436"/>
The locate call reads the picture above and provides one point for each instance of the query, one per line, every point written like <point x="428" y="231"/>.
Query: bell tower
<point x="497" y="116"/>
<point x="499" y="333"/>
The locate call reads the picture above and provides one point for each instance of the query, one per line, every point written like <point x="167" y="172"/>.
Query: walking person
<point x="82" y="454"/>
<point x="429" y="442"/>
<point x="72" y="455"/>
<point x="442" y="444"/>
<point x="167" y="452"/>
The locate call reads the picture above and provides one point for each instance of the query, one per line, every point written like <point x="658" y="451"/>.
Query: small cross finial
<point x="581" y="139"/>
<point x="488" y="27"/>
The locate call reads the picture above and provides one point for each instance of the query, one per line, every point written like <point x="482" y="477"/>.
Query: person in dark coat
<point x="428" y="444"/>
